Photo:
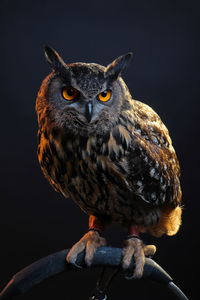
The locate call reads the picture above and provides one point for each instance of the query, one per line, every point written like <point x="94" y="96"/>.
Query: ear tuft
<point x="54" y="59"/>
<point x="114" y="69"/>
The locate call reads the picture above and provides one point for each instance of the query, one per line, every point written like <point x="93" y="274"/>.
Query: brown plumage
<point x="113" y="157"/>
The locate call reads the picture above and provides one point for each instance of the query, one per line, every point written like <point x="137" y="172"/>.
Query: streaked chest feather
<point x="79" y="166"/>
<point x="108" y="173"/>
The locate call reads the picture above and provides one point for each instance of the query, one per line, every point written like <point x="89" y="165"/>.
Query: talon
<point x="72" y="261"/>
<point x="89" y="242"/>
<point x="135" y="247"/>
<point x="75" y="265"/>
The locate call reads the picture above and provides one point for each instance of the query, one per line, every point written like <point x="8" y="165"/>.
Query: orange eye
<point x="69" y="93"/>
<point x="105" y="95"/>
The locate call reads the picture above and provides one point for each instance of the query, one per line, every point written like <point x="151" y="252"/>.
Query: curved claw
<point x="134" y="247"/>
<point x="149" y="251"/>
<point x="88" y="243"/>
<point x="75" y="265"/>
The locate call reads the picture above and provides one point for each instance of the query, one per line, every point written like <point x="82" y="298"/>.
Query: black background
<point x="164" y="73"/>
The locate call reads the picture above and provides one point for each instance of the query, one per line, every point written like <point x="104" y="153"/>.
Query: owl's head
<point x="83" y="95"/>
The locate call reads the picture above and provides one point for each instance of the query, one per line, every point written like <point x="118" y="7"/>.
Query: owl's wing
<point x="52" y="167"/>
<point x="153" y="168"/>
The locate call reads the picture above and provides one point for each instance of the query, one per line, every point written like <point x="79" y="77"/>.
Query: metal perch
<point x="55" y="263"/>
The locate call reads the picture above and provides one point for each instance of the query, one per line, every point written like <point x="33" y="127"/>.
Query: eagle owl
<point x="109" y="153"/>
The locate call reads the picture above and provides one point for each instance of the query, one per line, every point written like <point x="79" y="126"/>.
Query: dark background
<point x="35" y="220"/>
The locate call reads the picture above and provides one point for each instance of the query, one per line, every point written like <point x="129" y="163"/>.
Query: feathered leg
<point x="89" y="242"/>
<point x="134" y="246"/>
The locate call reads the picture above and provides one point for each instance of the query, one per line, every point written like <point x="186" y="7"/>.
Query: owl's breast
<point x="119" y="175"/>
<point x="83" y="169"/>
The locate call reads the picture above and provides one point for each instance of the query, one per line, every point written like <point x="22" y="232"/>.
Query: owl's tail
<point x="169" y="223"/>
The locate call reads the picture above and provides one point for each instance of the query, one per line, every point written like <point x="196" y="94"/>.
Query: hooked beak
<point x="88" y="111"/>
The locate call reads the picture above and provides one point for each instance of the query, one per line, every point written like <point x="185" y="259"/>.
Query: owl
<point x="111" y="154"/>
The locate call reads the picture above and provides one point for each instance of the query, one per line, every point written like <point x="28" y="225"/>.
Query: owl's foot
<point x="89" y="242"/>
<point x="134" y="246"/>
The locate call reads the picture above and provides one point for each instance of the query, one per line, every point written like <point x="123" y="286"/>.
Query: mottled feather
<point x="121" y="166"/>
